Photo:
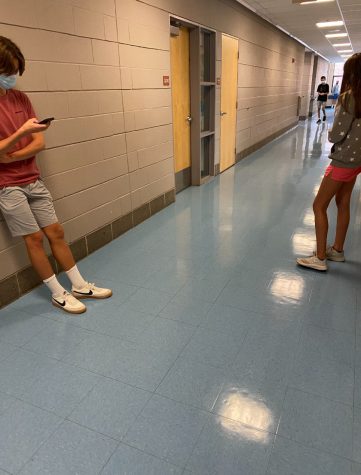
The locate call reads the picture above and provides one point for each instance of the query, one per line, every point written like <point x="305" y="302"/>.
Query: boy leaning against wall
<point x="25" y="202"/>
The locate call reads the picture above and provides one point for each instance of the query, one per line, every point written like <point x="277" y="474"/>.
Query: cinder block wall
<point x="306" y="91"/>
<point x="98" y="67"/>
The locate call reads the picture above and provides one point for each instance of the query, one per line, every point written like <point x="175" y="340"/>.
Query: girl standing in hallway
<point x="341" y="174"/>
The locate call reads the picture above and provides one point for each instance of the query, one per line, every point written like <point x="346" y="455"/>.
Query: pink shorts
<point x="342" y="174"/>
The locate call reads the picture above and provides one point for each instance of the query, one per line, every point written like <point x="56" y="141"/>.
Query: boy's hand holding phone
<point x="32" y="126"/>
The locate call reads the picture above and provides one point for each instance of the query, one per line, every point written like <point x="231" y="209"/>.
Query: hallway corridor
<point x="216" y="355"/>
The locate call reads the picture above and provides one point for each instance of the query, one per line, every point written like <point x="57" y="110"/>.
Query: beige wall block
<point x="139" y="179"/>
<point x="148" y="138"/>
<point x="43" y="45"/>
<point x="6" y="240"/>
<point x="50" y="104"/>
<point x="13" y="259"/>
<point x="123" y="31"/>
<point x="107" y="7"/>
<point x="126" y="76"/>
<point x="138" y="12"/>
<point x="68" y="131"/>
<point x="147" y="99"/>
<point x="135" y="57"/>
<point x="92" y="220"/>
<point x="110" y="101"/>
<point x="126" y="204"/>
<point x="149" y="78"/>
<point x="54" y="15"/>
<point x="83" y="103"/>
<point x="110" y="28"/>
<point x="84" y="201"/>
<point x="105" y="53"/>
<point x="113" y="146"/>
<point x="144" y="119"/>
<point x="18" y="12"/>
<point x="68" y="183"/>
<point x="129" y="120"/>
<point x="100" y="77"/>
<point x="154" y="154"/>
<point x="89" y="24"/>
<point x="62" y="77"/>
<point x="34" y="78"/>
<point x="149" y="37"/>
<point x="133" y="161"/>
<point x="118" y="123"/>
<point x="62" y="159"/>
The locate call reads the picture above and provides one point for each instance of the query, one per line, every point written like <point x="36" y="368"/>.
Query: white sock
<point x="54" y="286"/>
<point x="75" y="277"/>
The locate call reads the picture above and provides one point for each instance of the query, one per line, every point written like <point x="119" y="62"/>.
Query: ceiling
<point x="300" y="21"/>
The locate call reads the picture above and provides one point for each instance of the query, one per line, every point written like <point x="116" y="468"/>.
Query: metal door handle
<point x="223" y="113"/>
<point x="189" y="118"/>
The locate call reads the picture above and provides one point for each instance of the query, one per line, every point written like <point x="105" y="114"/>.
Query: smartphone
<point x="46" y="121"/>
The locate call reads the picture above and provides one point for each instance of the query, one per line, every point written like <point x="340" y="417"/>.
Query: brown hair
<point x="351" y="82"/>
<point x="11" y="58"/>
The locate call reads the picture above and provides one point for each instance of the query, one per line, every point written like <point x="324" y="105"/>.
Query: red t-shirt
<point x="15" y="109"/>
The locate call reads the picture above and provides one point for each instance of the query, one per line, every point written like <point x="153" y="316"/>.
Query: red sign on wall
<point x="166" y="81"/>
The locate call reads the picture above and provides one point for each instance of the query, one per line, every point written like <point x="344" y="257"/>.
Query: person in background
<point x="25" y="202"/>
<point x="341" y="174"/>
<point x="323" y="91"/>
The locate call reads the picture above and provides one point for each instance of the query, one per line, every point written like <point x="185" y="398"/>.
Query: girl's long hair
<point x="352" y="82"/>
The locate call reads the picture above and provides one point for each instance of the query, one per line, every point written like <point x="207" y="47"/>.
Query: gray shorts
<point x="27" y="208"/>
<point x="321" y="104"/>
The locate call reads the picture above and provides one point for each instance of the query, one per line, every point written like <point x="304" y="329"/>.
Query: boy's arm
<point x="31" y="126"/>
<point x="34" y="147"/>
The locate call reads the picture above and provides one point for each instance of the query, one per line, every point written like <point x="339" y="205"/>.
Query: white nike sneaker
<point x="68" y="303"/>
<point x="312" y="262"/>
<point x="92" y="292"/>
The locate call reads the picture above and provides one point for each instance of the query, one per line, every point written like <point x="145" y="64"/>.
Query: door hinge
<point x="238" y="55"/>
<point x="235" y="151"/>
<point x="237" y="105"/>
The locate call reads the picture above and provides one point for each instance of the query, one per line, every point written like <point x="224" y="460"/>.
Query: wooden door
<point x="180" y="70"/>
<point x="229" y="101"/>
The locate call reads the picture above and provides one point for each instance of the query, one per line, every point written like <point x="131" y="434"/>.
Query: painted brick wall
<point x="98" y="67"/>
<point x="110" y="149"/>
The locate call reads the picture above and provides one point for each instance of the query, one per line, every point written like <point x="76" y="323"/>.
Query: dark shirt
<point x="323" y="88"/>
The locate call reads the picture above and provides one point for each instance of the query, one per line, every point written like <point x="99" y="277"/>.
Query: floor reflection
<point x="239" y="410"/>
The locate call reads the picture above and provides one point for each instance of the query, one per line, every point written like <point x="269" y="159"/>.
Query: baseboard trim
<point x="23" y="281"/>
<point x="244" y="153"/>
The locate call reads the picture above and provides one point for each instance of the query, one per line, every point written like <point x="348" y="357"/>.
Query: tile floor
<point x="216" y="355"/>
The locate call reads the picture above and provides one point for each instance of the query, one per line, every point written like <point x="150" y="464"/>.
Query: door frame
<point x="195" y="100"/>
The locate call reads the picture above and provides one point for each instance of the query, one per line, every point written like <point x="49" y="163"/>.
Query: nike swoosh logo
<point x="84" y="293"/>
<point x="60" y="303"/>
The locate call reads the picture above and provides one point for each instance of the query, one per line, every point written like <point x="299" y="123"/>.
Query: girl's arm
<point x="341" y="124"/>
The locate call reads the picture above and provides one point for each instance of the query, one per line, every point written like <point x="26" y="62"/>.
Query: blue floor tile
<point x="317" y="422"/>
<point x="323" y="377"/>
<point x="289" y="457"/>
<point x="110" y="408"/>
<point x="71" y="450"/>
<point x="24" y="429"/>
<point x="228" y="447"/>
<point x="134" y="462"/>
<point x="167" y="429"/>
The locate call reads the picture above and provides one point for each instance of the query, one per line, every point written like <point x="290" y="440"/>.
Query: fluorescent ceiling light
<point x="315" y="1"/>
<point x="336" y="35"/>
<point x="345" y="51"/>
<point x="328" y="24"/>
<point x="337" y="45"/>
